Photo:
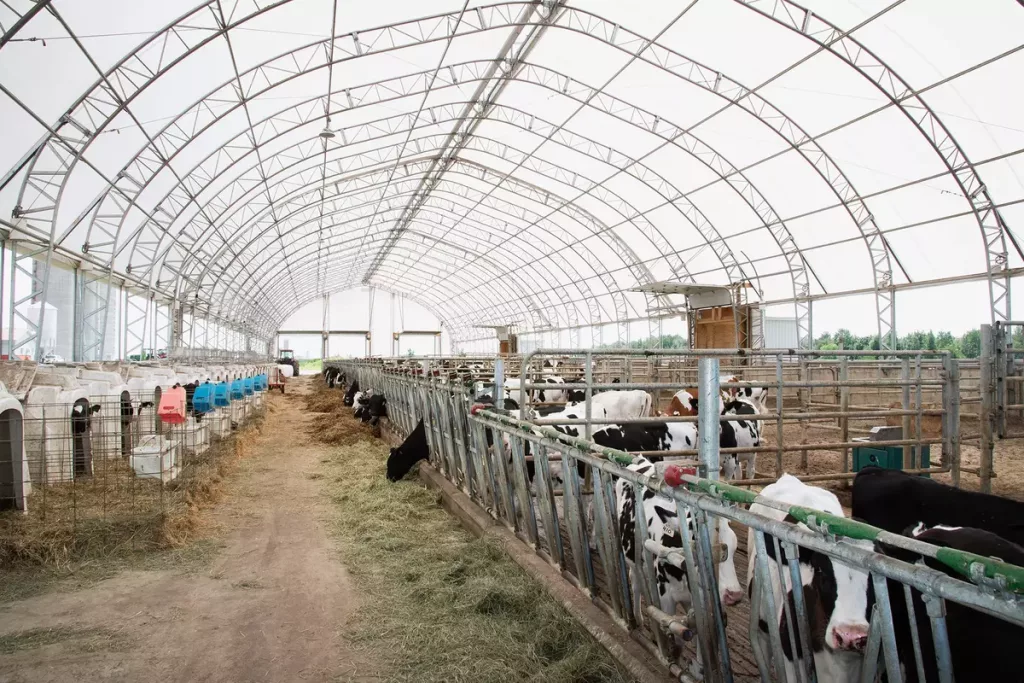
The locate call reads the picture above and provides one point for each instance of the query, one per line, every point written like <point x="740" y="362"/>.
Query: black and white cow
<point x="359" y="402"/>
<point x="836" y="596"/>
<point x="649" y="436"/>
<point x="374" y="408"/>
<point x="552" y="395"/>
<point x="894" y="500"/>
<point x="663" y="527"/>
<point x="577" y="395"/>
<point x="739" y="434"/>
<point x="982" y="647"/>
<point x="332" y="376"/>
<point x="731" y="434"/>
<point x="350" y="395"/>
<point x="412" y="450"/>
<point x="539" y="395"/>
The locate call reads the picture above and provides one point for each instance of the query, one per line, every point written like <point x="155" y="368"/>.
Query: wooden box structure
<point x="723" y="327"/>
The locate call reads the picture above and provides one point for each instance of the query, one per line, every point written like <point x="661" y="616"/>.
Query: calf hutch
<point x="84" y="445"/>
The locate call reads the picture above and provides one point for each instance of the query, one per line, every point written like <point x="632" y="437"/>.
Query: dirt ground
<point x="1008" y="463"/>
<point x="272" y="606"/>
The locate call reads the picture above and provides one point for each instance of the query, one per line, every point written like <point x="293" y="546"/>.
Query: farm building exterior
<point x="613" y="216"/>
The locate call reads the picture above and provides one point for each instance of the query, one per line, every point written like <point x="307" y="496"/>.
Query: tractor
<point x="287" y="357"/>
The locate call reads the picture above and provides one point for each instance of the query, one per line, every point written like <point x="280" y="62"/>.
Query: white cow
<point x="624" y="404"/>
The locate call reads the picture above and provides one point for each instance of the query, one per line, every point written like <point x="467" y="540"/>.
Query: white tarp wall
<point x="352" y="310"/>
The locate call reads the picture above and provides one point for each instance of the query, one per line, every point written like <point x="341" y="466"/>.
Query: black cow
<point x="331" y="376"/>
<point x="982" y="647"/>
<point x="893" y="500"/>
<point x="412" y="450"/>
<point x="190" y="392"/>
<point x="350" y="395"/>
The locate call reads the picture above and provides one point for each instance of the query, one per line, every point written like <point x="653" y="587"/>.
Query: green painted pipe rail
<point x="959" y="561"/>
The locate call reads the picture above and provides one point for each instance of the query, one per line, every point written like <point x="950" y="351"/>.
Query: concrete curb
<point x="630" y="654"/>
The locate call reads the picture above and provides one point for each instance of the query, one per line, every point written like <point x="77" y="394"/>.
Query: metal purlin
<point x="355" y="209"/>
<point x="597" y="151"/>
<point x="285" y="218"/>
<point x="523" y="190"/>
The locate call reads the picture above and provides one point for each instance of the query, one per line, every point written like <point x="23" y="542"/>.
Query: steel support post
<point x="987" y="388"/>
<point x="92" y="299"/>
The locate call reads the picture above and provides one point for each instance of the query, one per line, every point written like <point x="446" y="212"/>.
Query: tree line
<point x="967" y="345"/>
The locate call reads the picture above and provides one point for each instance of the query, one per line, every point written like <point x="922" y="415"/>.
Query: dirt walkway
<point x="271" y="608"/>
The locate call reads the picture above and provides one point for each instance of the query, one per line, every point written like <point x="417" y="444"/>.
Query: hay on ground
<point x="324" y="400"/>
<point x="441" y="605"/>
<point x="113" y="513"/>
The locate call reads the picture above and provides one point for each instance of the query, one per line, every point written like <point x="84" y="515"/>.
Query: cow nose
<point x="732" y="597"/>
<point x="851" y="637"/>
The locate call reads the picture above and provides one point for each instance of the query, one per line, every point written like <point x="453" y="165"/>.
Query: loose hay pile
<point x="324" y="400"/>
<point x="440" y="605"/>
<point x="333" y="423"/>
<point x="114" y="514"/>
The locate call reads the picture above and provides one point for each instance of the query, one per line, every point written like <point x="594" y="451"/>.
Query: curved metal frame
<point x="174" y="248"/>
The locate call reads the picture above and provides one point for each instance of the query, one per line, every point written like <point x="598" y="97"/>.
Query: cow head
<point x="402" y="459"/>
<point x="729" y="589"/>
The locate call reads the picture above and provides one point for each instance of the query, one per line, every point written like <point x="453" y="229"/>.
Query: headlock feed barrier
<point x="573" y="525"/>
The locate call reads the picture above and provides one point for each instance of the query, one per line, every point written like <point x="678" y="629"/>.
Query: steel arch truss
<point x="425" y="206"/>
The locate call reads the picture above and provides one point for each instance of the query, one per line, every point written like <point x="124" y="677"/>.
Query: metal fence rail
<point x="487" y="454"/>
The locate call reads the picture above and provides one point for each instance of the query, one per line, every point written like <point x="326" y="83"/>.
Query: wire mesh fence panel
<point x="104" y="473"/>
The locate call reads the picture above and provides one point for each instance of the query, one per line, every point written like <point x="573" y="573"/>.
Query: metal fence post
<point x="708" y="416"/>
<point x="905" y="406"/>
<point x="844" y="407"/>
<point x="954" y="390"/>
<point x="986" y="385"/>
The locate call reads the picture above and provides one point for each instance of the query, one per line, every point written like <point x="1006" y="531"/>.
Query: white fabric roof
<point x="517" y="162"/>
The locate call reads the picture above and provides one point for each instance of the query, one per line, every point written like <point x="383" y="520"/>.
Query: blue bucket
<point x="237" y="390"/>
